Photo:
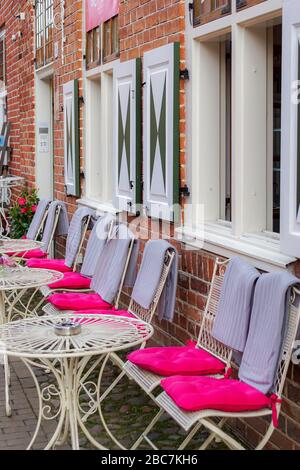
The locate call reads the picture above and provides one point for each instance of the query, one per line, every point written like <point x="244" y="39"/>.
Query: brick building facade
<point x="35" y="80"/>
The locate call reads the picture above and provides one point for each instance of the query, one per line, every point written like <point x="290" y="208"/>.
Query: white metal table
<point x="18" y="280"/>
<point x="71" y="360"/>
<point x="10" y="245"/>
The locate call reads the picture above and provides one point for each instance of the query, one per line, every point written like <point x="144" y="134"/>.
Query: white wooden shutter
<point x="71" y="138"/>
<point x="127" y="135"/>
<point x="161" y="131"/>
<point x="290" y="150"/>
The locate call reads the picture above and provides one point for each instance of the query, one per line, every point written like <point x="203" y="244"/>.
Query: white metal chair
<point x="214" y="421"/>
<point x="50" y="309"/>
<point x="149" y="381"/>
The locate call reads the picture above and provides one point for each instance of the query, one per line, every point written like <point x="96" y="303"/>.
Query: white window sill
<point x="99" y="206"/>
<point x="262" y="250"/>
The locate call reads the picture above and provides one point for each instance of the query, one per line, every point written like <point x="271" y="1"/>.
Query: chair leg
<point x="266" y="437"/>
<point x="147" y="430"/>
<point x="212" y="436"/>
<point x="229" y="441"/>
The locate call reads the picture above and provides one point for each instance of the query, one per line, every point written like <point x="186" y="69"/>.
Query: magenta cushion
<point x="77" y="301"/>
<point x="203" y="393"/>
<point x="56" y="264"/>
<point x="117" y="313"/>
<point x="72" y="281"/>
<point x="38" y="253"/>
<point x="174" y="360"/>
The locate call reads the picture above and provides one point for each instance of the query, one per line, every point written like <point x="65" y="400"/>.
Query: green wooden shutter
<point x="71" y="138"/>
<point x="161" y="131"/>
<point x="127" y="135"/>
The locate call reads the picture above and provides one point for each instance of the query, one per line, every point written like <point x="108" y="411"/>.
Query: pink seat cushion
<point x="116" y="313"/>
<point x="77" y="301"/>
<point x="56" y="264"/>
<point x="204" y="393"/>
<point x="183" y="360"/>
<point x="38" y="253"/>
<point x="72" y="281"/>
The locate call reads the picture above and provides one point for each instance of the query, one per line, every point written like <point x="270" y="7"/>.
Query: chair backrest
<point x="78" y="227"/>
<point x="53" y="229"/>
<point x="95" y="244"/>
<point x="289" y="340"/>
<point x="147" y="314"/>
<point x="205" y="339"/>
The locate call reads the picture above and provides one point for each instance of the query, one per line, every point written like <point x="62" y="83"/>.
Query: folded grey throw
<point x="234" y="308"/>
<point x="267" y="330"/>
<point x="95" y="245"/>
<point x="111" y="264"/>
<point x="148" y="279"/>
<point x="36" y="222"/>
<point x="75" y="233"/>
<point x="62" y="225"/>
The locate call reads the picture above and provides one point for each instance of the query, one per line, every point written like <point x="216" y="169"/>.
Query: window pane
<point x="44" y="32"/>
<point x="277" y="71"/>
<point x="208" y="10"/>
<point x="93" y="48"/>
<point x="225" y="129"/>
<point x="111" y="39"/>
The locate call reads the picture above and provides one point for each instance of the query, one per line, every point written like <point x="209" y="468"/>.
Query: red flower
<point x="22" y="201"/>
<point x="33" y="208"/>
<point x="23" y="210"/>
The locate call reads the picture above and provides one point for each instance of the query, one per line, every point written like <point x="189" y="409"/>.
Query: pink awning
<point x="98" y="11"/>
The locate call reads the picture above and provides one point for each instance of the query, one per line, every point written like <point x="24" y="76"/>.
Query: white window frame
<point x="247" y="235"/>
<point x="98" y="192"/>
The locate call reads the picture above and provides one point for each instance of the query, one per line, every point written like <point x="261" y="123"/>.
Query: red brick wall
<point x="20" y="85"/>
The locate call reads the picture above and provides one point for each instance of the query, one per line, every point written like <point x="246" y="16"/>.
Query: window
<point x="43" y="32"/>
<point x="234" y="114"/>
<point x="274" y="117"/>
<point x="93" y="47"/>
<point x="2" y="61"/>
<point x="3" y="102"/>
<point x="102" y="43"/>
<point x="208" y="10"/>
<point x="99" y="128"/>
<point x="111" y="39"/>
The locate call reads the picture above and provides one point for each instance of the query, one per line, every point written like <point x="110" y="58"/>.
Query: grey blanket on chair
<point x="149" y="275"/>
<point x="62" y="225"/>
<point x="112" y="263"/>
<point x="95" y="245"/>
<point x="267" y="330"/>
<point x="75" y="233"/>
<point x="37" y="220"/>
<point x="234" y="308"/>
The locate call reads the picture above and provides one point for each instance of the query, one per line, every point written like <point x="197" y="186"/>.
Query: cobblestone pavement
<point x="127" y="411"/>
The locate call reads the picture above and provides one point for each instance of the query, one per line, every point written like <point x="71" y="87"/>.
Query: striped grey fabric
<point x="234" y="308"/>
<point x="36" y="222"/>
<point x="267" y="330"/>
<point x="95" y="245"/>
<point x="75" y="233"/>
<point x="149" y="275"/>
<point x="111" y="264"/>
<point x="62" y="226"/>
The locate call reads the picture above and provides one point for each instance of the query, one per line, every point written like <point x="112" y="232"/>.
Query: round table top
<point x="100" y="334"/>
<point x="26" y="278"/>
<point x="9" y="245"/>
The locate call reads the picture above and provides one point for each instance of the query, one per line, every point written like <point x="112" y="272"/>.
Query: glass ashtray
<point x="67" y="328"/>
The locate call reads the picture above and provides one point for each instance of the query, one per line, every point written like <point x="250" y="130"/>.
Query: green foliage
<point x="22" y="212"/>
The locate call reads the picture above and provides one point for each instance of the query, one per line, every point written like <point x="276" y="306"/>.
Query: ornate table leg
<point x="4" y="359"/>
